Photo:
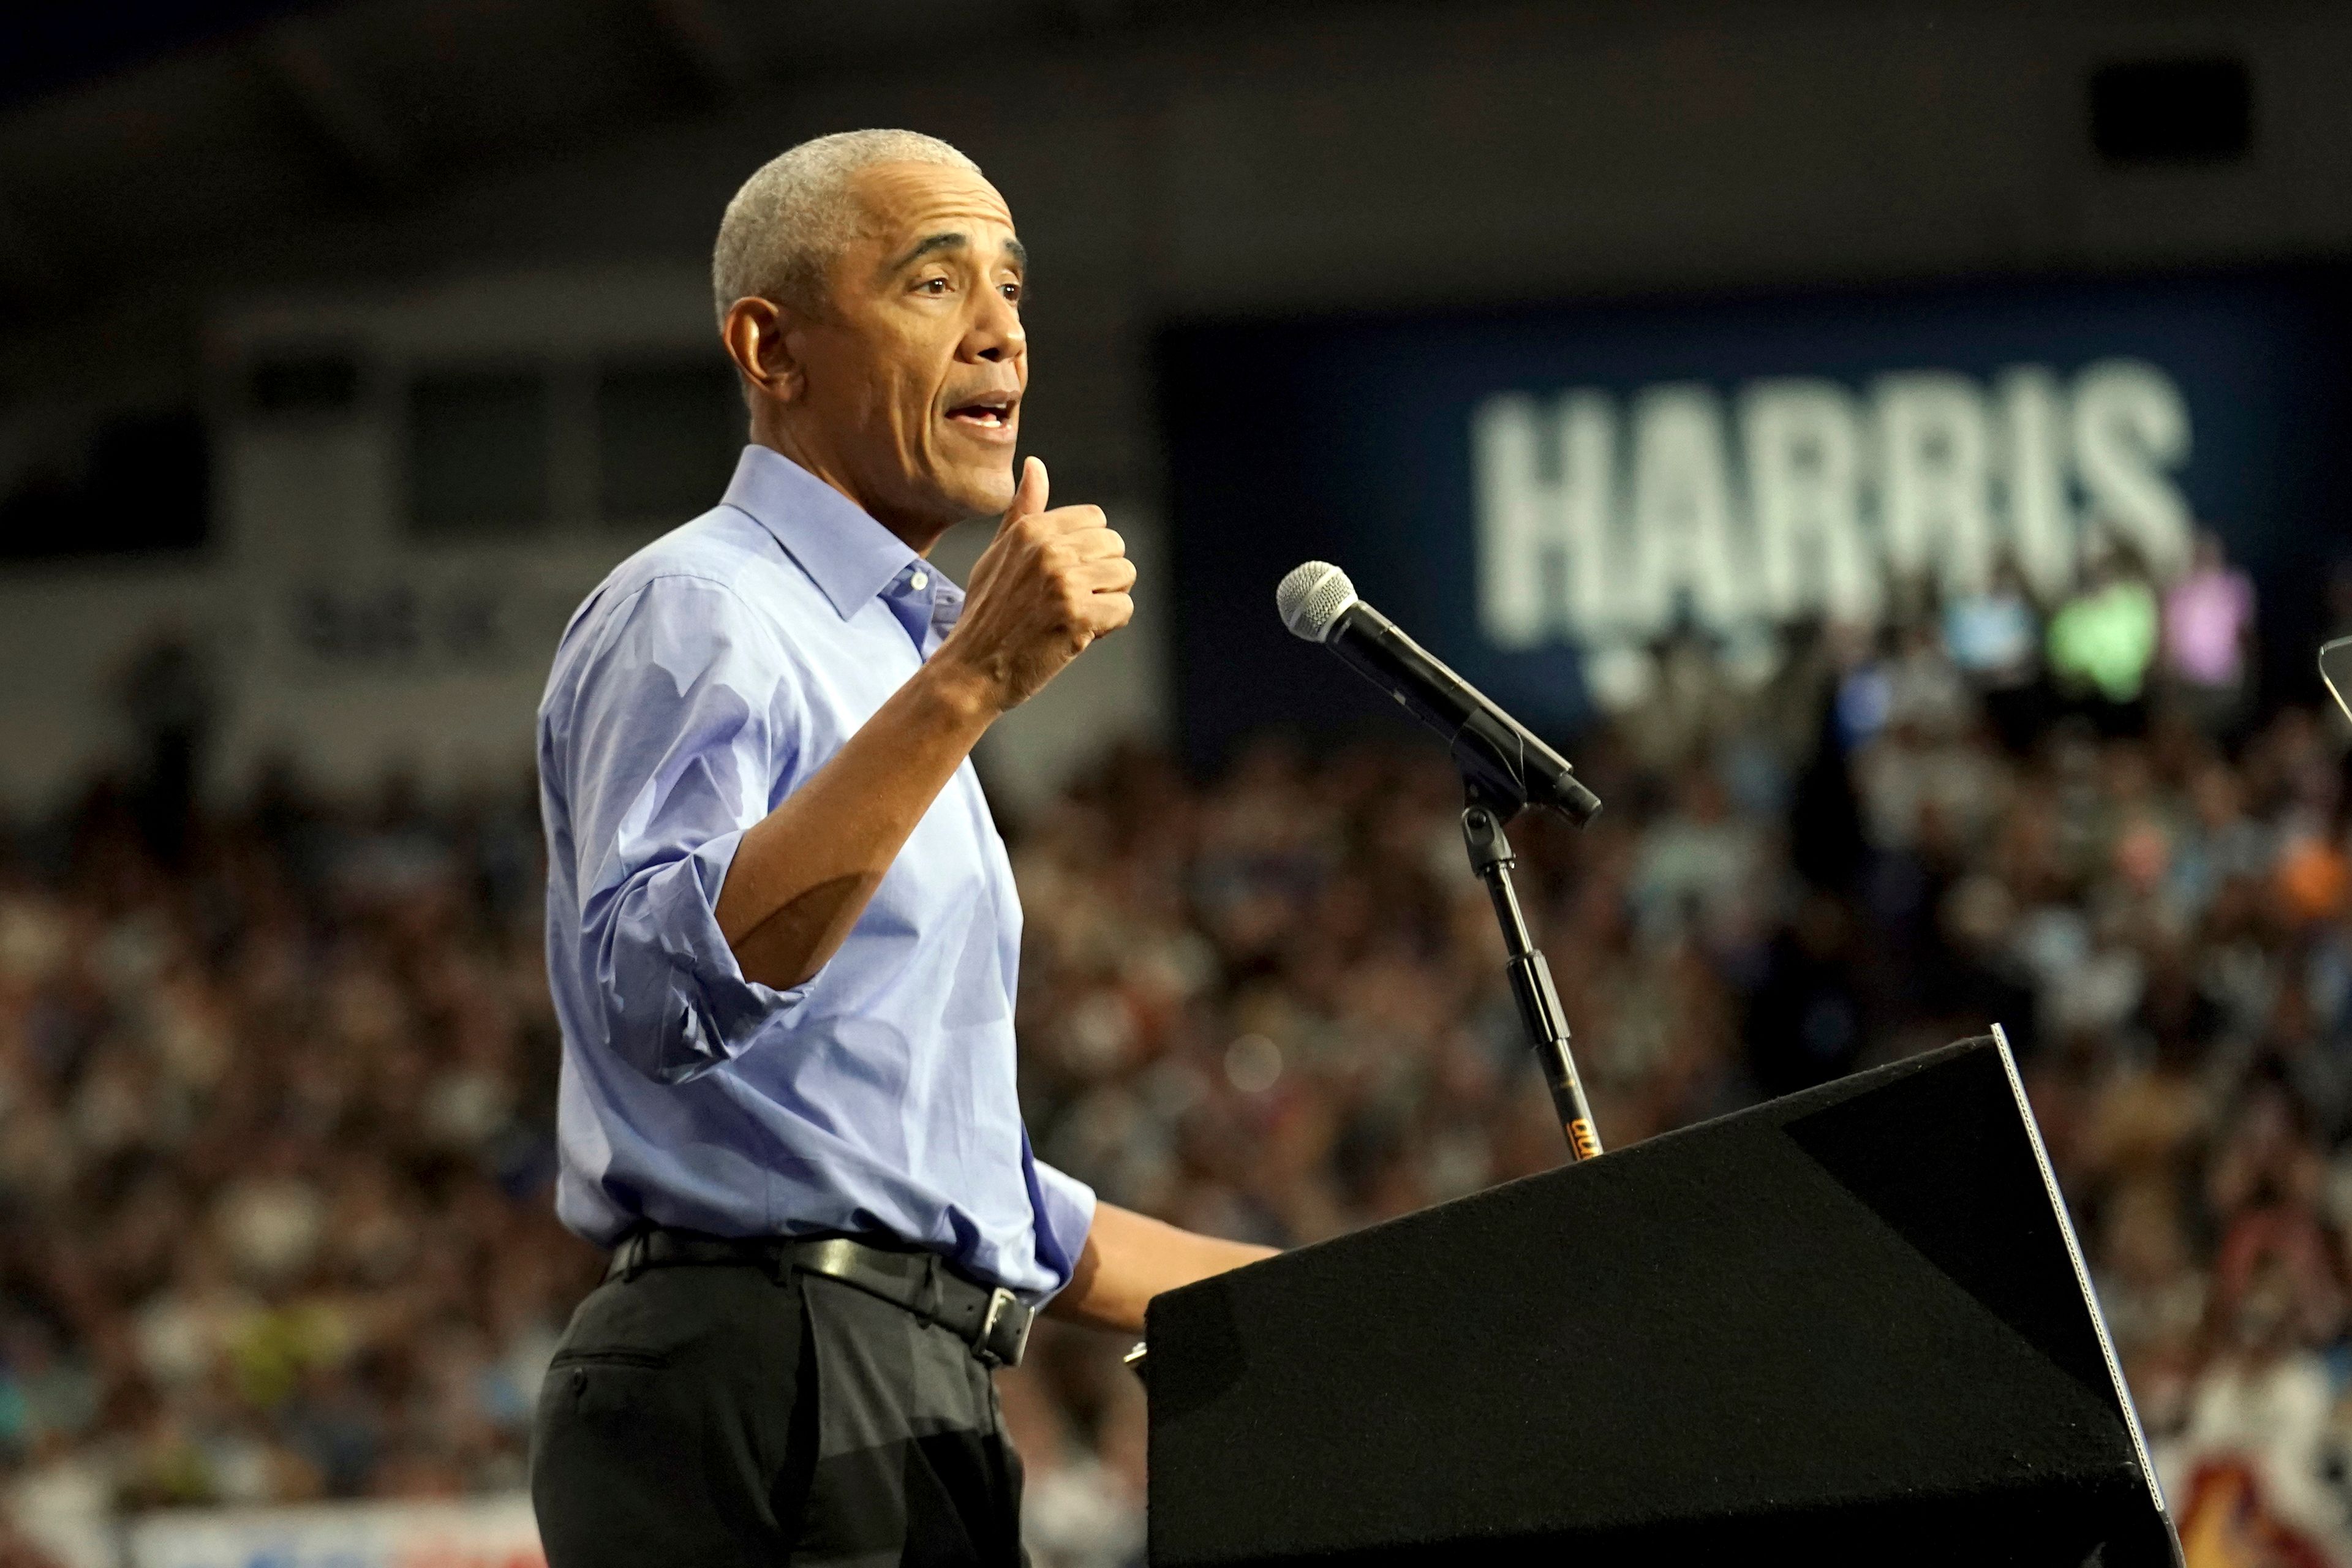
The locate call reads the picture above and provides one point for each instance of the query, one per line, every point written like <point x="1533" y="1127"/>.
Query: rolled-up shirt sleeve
<point x="1065" y="1207"/>
<point x="683" y="735"/>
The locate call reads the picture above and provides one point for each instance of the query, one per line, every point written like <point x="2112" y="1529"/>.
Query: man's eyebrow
<point x="933" y="245"/>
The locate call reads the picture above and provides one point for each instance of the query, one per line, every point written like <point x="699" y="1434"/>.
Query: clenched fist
<point x="1047" y="586"/>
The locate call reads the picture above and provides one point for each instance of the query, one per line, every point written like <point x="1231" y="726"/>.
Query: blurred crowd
<point x="276" y="1088"/>
<point x="276" y="1083"/>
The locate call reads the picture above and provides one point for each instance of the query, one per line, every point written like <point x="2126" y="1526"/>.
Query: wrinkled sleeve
<point x="1065" y="1207"/>
<point x="687" y="721"/>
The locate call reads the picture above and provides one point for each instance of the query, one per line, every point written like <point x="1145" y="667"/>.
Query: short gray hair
<point x="790" y="220"/>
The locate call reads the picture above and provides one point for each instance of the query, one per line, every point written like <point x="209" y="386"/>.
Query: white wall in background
<point x="339" y="641"/>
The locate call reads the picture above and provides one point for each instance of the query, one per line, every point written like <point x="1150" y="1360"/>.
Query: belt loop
<point x="633" y="1255"/>
<point x="788" y="1260"/>
<point x="927" y="1298"/>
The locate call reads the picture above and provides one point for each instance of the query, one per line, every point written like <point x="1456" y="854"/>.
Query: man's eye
<point x="1011" y="291"/>
<point x="933" y="286"/>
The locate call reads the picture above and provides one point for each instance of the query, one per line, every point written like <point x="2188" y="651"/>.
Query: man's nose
<point x="995" y="334"/>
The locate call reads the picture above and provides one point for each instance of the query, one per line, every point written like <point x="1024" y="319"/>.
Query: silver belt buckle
<point x="1003" y="1329"/>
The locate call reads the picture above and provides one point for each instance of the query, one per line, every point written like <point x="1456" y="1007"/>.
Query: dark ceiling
<point x="204" y="136"/>
<point x="46" y="47"/>
<point x="152" y="152"/>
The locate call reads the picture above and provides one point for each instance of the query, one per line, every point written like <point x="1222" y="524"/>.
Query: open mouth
<point x="990" y="411"/>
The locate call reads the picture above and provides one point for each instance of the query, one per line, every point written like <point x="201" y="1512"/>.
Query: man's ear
<point x="758" y="335"/>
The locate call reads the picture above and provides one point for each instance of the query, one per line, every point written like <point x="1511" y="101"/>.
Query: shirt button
<point x="918" y="582"/>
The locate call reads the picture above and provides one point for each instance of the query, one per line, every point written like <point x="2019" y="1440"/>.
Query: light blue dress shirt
<point x="707" y="678"/>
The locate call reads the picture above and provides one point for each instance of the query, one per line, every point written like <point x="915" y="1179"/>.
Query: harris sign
<point x="1539" y="494"/>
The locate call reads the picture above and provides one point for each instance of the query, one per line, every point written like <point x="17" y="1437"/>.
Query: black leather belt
<point x="990" y="1319"/>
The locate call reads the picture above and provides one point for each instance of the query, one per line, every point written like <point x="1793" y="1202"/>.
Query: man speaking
<point x="783" y="933"/>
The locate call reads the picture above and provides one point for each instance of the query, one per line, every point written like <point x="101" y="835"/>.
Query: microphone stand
<point x="1491" y="857"/>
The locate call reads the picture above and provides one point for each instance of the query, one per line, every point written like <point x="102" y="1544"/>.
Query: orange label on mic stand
<point x="1581" y="1139"/>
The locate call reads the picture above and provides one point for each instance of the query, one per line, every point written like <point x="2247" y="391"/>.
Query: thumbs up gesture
<point x="1048" y="584"/>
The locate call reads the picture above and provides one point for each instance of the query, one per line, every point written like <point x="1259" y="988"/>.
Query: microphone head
<point x="1312" y="598"/>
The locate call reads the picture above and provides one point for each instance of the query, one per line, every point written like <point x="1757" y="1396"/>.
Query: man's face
<point x="913" y="381"/>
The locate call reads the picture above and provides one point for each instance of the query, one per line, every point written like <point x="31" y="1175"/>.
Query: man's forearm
<point x="804" y="873"/>
<point x="1131" y="1257"/>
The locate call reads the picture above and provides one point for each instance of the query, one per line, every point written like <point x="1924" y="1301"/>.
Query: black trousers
<point x="716" y="1415"/>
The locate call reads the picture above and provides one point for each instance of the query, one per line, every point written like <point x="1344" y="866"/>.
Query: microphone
<point x="1500" y="760"/>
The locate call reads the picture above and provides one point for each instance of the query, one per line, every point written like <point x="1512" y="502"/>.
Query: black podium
<point x="1851" y="1326"/>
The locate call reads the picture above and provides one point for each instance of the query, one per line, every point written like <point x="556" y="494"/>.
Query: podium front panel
<point x="1853" y="1322"/>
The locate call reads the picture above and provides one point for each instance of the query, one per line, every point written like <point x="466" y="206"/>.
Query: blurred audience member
<point x="1994" y="638"/>
<point x="2209" y="623"/>
<point x="2103" y="640"/>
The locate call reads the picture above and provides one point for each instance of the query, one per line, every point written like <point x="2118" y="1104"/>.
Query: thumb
<point x="1031" y="495"/>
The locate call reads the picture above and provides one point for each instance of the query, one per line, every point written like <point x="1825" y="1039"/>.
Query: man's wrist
<point x="970" y="696"/>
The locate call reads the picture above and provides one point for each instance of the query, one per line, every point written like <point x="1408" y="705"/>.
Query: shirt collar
<point x="844" y="551"/>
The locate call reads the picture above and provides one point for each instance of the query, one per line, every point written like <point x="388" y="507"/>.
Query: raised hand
<point x="1048" y="584"/>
